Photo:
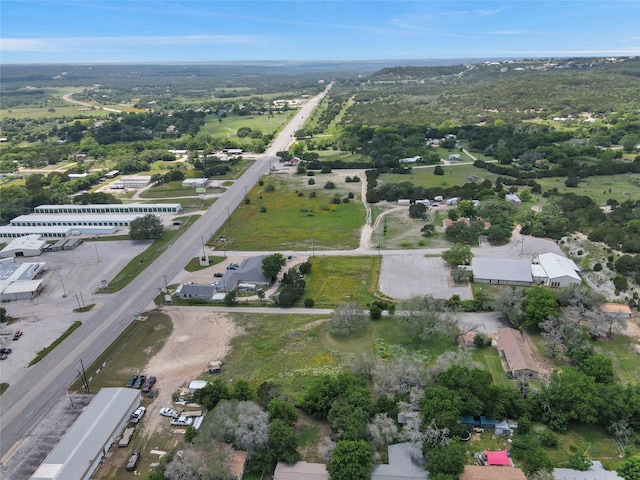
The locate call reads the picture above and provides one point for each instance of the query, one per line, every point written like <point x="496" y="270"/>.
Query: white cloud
<point x="85" y="43"/>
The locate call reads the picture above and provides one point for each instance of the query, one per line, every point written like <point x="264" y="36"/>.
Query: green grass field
<point x="293" y="222"/>
<point x="231" y="124"/>
<point x="169" y="190"/>
<point x="129" y="353"/>
<point x="600" y="189"/>
<point x="489" y="358"/>
<point x="453" y="175"/>
<point x="335" y="280"/>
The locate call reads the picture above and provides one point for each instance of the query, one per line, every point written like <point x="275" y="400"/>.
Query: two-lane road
<point x="24" y="404"/>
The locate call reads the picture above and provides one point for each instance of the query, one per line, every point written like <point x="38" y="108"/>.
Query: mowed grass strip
<point x="129" y="353"/>
<point x="45" y="351"/>
<point x="281" y="219"/>
<point x="336" y="280"/>
<point x="490" y="360"/>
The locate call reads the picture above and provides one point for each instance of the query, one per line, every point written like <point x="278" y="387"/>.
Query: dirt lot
<point x="197" y="337"/>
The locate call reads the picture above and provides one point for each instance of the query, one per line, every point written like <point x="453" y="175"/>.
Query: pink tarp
<point x="498" y="458"/>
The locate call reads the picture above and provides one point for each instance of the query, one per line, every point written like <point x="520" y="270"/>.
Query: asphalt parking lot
<point x="72" y="279"/>
<point x="410" y="275"/>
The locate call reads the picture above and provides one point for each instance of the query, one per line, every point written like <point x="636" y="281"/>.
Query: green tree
<point x="459" y="254"/>
<point x="417" y="210"/>
<point x="230" y="298"/>
<point x="438" y="170"/>
<point x="282" y="410"/>
<point x="243" y="391"/>
<point x="629" y="469"/>
<point x="212" y="393"/>
<point x="4" y="317"/>
<point x="447" y="459"/>
<point x="466" y="209"/>
<point x="283" y="443"/>
<point x="539" y="304"/>
<point x="146" y="227"/>
<point x="272" y="264"/>
<point x="351" y="460"/>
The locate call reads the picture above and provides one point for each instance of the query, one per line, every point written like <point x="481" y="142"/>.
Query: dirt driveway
<point x="197" y="337"/>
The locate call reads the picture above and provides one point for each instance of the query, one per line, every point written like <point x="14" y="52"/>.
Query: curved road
<point x="24" y="404"/>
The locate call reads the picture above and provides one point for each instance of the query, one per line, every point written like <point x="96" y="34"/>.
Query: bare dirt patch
<point x="197" y="338"/>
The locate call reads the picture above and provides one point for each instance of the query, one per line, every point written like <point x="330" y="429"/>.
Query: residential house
<point x="476" y="472"/>
<point x="596" y="472"/>
<point x="516" y="353"/>
<point x="617" y="310"/>
<point x="197" y="291"/>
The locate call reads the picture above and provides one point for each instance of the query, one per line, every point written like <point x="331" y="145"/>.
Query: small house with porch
<point x="516" y="354"/>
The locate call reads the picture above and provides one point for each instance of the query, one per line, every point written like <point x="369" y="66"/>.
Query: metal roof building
<point x="13" y="231"/>
<point x="27" y="246"/>
<point x="79" y="453"/>
<point x="502" y="271"/>
<point x="560" y="271"/>
<point x="74" y="220"/>
<point x="112" y="208"/>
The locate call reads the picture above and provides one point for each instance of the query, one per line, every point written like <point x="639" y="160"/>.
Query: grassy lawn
<point x="600" y="189"/>
<point x="489" y="358"/>
<point x="194" y="263"/>
<point x="453" y="175"/>
<point x="232" y="123"/>
<point x="293" y="222"/>
<point x="600" y="445"/>
<point x="335" y="280"/>
<point x="301" y="342"/>
<point x="625" y="359"/>
<point x="140" y="262"/>
<point x="45" y="351"/>
<point x="3" y="387"/>
<point x="129" y="353"/>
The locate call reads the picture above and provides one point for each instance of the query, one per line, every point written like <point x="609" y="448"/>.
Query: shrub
<point x="311" y="182"/>
<point x="351" y="195"/>
<point x="269" y="188"/>
<point x="329" y="185"/>
<point x="309" y="302"/>
<point x="301" y="194"/>
<point x="375" y="312"/>
<point x="620" y="283"/>
<point x="310" y="173"/>
<point x="597" y="267"/>
<point x="263" y="209"/>
<point x="549" y="440"/>
<point x="247" y="201"/>
<point x="312" y="194"/>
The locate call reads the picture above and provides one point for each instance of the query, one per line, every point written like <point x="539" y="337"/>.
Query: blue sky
<point x="59" y="31"/>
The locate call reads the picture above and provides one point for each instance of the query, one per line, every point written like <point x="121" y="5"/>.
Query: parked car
<point x="218" y="275"/>
<point x="169" y="412"/>
<point x="5" y="350"/>
<point x="133" y="461"/>
<point x="132" y="380"/>
<point x="435" y="205"/>
<point x="17" y="334"/>
<point x="3" y="356"/>
<point x="139" y="382"/>
<point x="182" y="421"/>
<point x="137" y="415"/>
<point x="148" y="385"/>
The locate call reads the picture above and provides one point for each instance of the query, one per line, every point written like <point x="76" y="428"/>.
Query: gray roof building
<point x="79" y="453"/>
<point x="196" y="290"/>
<point x="595" y="472"/>
<point x="249" y="272"/>
<point x="27" y="246"/>
<point x="502" y="271"/>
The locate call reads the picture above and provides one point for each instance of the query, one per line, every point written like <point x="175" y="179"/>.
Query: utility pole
<point x="82" y="300"/>
<point x="228" y="217"/>
<point x="84" y="377"/>
<point x="166" y="286"/>
<point x="97" y="255"/>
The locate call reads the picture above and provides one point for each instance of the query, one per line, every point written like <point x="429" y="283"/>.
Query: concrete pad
<point x="410" y="275"/>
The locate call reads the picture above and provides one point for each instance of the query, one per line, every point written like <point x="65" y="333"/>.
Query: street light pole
<point x="166" y="286"/>
<point x="97" y="255"/>
<point x="63" y="289"/>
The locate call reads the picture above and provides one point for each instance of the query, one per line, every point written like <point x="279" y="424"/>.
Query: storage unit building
<point x="79" y="453"/>
<point x="26" y="246"/>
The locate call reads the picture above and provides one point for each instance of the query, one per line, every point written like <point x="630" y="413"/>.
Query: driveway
<point x="409" y="275"/>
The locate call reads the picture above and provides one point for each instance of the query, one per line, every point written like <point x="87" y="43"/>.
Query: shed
<point x="455" y="157"/>
<point x="503" y="428"/>
<point x="197" y="385"/>
<point x="59" y="245"/>
<point x="513" y="198"/>
<point x="23" y="290"/>
<point x="84" y="447"/>
<point x="72" y="243"/>
<point x="617" y="310"/>
<point x="27" y="246"/>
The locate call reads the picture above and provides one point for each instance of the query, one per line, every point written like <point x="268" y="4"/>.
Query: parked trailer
<point x="125" y="439"/>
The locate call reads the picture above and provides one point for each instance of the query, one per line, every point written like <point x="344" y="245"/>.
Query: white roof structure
<point x="111" y="208"/>
<point x="558" y="266"/>
<point x="33" y="242"/>
<point x="197" y="385"/>
<point x="502" y="270"/>
<point x="77" y="455"/>
<point x="55" y="231"/>
<point x="73" y="219"/>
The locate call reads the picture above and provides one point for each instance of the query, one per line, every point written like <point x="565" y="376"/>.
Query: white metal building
<point x="79" y="453"/>
<point x="112" y="208"/>
<point x="132" y="181"/>
<point x="74" y="220"/>
<point x="559" y="271"/>
<point x="195" y="182"/>
<point x="27" y="246"/>
<point x="18" y="281"/>
<point x="13" y="231"/>
<point x="504" y="271"/>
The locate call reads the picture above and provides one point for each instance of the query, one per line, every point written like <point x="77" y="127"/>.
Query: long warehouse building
<point x="112" y="208"/>
<point x="11" y="231"/>
<point x="74" y="220"/>
<point x="79" y="453"/>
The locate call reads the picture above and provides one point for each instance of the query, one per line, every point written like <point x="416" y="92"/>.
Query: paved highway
<point x="24" y="404"/>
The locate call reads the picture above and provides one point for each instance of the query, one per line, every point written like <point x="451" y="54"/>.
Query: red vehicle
<point x="17" y="335"/>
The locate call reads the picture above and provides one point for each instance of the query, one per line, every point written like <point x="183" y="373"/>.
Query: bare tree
<point x="621" y="431"/>
<point x="397" y="376"/>
<point x="348" y="318"/>
<point x="196" y="464"/>
<point x="249" y="427"/>
<point x="364" y="364"/>
<point x="461" y="357"/>
<point x="552" y="337"/>
<point x="436" y="436"/>
<point x="382" y="430"/>
<point x="509" y="304"/>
